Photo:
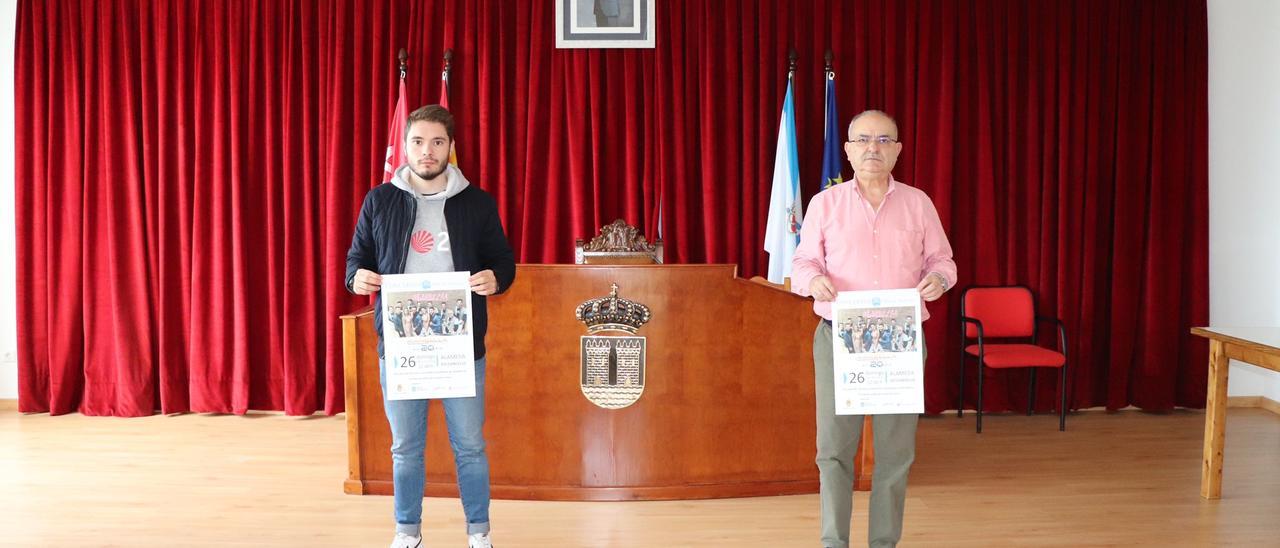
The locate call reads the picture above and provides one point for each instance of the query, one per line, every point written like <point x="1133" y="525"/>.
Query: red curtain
<point x="190" y="171"/>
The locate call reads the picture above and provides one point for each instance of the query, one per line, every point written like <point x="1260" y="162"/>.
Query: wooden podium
<point x="727" y="408"/>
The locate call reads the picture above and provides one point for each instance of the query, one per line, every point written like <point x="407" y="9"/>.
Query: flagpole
<point x="831" y="75"/>
<point x="444" y="99"/>
<point x="448" y="68"/>
<point x="404" y="62"/>
<point x="793" y="60"/>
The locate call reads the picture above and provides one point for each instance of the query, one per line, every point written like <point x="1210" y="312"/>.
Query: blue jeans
<point x="465" y="420"/>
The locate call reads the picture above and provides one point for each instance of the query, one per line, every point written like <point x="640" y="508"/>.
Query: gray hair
<point x="869" y="112"/>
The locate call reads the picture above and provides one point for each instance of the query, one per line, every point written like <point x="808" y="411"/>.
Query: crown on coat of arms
<point x="612" y="313"/>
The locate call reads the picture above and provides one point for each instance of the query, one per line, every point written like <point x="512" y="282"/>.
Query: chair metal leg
<point x="1031" y="393"/>
<point x="1062" y="407"/>
<point x="960" y="404"/>
<point x="979" y="408"/>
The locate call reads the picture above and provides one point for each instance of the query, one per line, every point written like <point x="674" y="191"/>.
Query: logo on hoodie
<point x="423" y="242"/>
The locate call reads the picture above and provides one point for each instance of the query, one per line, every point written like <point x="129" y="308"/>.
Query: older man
<point x="876" y="233"/>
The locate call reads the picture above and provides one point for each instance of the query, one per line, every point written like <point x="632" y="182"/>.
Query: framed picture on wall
<point x="604" y="23"/>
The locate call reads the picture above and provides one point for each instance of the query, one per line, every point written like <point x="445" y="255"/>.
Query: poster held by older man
<point x="879" y="367"/>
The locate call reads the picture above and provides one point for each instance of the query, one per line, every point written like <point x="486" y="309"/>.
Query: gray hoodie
<point x="429" y="241"/>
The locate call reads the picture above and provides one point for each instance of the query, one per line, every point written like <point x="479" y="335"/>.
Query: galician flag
<point x="782" y="232"/>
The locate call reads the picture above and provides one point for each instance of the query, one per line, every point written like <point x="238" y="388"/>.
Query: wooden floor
<point x="1113" y="479"/>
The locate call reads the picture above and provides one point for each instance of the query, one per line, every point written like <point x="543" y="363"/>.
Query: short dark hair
<point x="431" y="113"/>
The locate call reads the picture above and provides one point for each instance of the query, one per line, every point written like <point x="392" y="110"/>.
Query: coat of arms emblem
<point x="612" y="366"/>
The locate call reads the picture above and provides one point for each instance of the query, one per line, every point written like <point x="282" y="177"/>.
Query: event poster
<point x="426" y="335"/>
<point x="876" y="340"/>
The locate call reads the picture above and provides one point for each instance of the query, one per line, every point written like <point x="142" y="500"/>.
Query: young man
<point x="430" y="197"/>
<point x="460" y="311"/>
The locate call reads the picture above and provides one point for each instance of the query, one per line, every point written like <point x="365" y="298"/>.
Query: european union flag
<point x="831" y="147"/>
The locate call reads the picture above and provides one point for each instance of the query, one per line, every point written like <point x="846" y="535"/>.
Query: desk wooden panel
<point x="727" y="409"/>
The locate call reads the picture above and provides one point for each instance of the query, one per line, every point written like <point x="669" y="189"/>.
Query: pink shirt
<point x="858" y="248"/>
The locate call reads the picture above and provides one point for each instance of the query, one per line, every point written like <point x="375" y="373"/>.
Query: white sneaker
<point x="405" y="541"/>
<point x="479" y="540"/>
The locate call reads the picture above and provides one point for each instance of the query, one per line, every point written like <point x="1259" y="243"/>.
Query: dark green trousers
<point x="838" y="437"/>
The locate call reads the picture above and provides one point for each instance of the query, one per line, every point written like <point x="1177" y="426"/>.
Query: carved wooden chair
<point x="618" y="243"/>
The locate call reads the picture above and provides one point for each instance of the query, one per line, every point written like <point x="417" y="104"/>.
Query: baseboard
<point x="1261" y="402"/>
<point x="1254" y="401"/>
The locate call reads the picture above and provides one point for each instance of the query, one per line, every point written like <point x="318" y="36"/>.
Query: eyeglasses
<point x="864" y="141"/>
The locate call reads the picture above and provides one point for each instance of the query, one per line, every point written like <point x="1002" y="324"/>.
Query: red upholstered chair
<point x="1007" y="314"/>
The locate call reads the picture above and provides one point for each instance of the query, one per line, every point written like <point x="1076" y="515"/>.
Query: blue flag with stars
<point x="831" y="147"/>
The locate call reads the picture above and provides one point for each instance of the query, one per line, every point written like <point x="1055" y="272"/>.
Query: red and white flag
<point x="395" y="137"/>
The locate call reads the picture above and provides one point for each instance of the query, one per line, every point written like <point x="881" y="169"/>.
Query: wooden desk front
<point x="727" y="409"/>
<point x="1259" y="346"/>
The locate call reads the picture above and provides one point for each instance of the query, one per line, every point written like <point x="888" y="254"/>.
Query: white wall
<point x="1244" y="176"/>
<point x="8" y="314"/>
<point x="1244" y="181"/>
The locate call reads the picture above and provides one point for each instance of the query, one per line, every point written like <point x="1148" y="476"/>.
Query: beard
<point x="429" y="174"/>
